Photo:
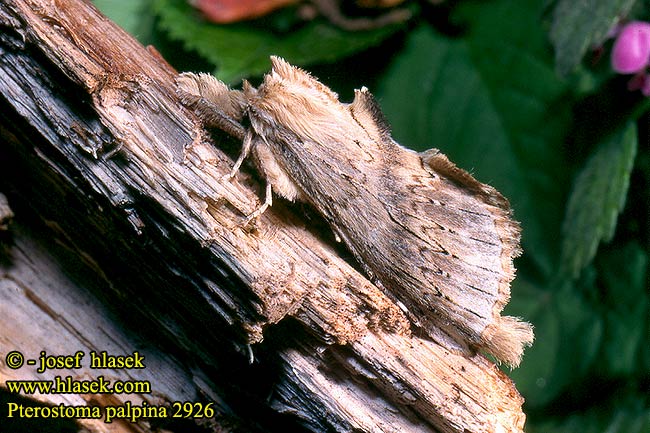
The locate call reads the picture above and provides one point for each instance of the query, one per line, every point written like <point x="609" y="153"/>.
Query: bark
<point x="44" y="309"/>
<point x="97" y="146"/>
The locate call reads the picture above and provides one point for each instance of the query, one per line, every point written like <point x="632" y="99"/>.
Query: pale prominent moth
<point x="439" y="242"/>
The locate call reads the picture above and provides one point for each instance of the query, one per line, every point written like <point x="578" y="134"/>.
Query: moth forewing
<point x="437" y="240"/>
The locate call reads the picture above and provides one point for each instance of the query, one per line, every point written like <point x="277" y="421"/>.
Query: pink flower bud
<point x="637" y="82"/>
<point x="645" y="88"/>
<point x="631" y="52"/>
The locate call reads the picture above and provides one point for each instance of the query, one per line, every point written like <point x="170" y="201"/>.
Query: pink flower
<point x="631" y="52"/>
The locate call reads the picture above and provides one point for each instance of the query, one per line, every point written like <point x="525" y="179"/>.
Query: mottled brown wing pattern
<point x="438" y="241"/>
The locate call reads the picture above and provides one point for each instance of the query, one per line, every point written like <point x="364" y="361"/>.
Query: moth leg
<point x="268" y="201"/>
<point x="251" y="355"/>
<point x="247" y="145"/>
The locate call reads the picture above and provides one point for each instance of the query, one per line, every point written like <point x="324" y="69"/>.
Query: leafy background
<point x="521" y="94"/>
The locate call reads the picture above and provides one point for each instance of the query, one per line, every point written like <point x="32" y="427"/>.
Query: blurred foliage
<point x="518" y="93"/>
<point x="242" y="50"/>
<point x="597" y="197"/>
<point x="578" y="26"/>
<point x="473" y="98"/>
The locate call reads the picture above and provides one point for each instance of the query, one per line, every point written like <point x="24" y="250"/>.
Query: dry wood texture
<point x="43" y="309"/>
<point x="96" y="144"/>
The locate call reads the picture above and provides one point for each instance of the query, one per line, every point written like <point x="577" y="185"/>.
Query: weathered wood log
<point x="6" y="214"/>
<point x="96" y="143"/>
<point x="42" y="309"/>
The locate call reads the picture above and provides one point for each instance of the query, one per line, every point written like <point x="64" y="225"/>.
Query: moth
<point x="437" y="241"/>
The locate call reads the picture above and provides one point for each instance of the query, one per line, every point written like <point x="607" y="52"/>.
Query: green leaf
<point x="627" y="413"/>
<point x="243" y="49"/>
<point x="593" y="330"/>
<point x="132" y="15"/>
<point x="492" y="101"/>
<point x="627" y="310"/>
<point x="568" y="334"/>
<point x="597" y="197"/>
<point x="579" y="25"/>
<point x="534" y="377"/>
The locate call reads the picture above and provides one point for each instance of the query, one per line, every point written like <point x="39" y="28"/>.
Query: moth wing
<point x="439" y="242"/>
<point x="458" y="240"/>
<point x="466" y="241"/>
